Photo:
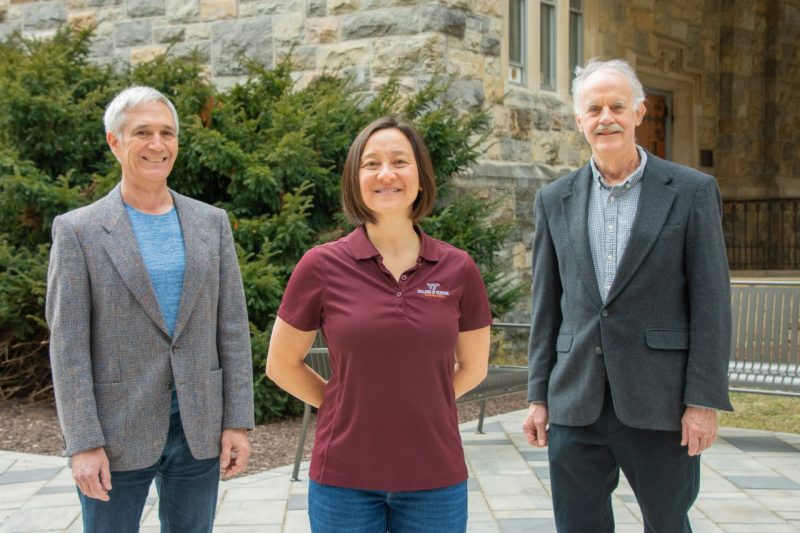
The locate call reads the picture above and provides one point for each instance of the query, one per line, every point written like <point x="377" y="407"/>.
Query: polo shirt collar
<point x="361" y="247"/>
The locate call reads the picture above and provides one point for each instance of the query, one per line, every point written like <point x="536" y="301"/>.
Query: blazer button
<point x="604" y="313"/>
<point x="598" y="350"/>
<point x="173" y="349"/>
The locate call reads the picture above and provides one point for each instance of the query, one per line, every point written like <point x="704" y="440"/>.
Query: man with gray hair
<point x="149" y="345"/>
<point x="631" y="319"/>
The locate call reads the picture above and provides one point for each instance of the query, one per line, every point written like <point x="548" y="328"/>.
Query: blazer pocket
<point x="564" y="343"/>
<point x="667" y="339"/>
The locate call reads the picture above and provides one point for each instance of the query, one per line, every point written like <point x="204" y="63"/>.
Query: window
<point x="575" y="36"/>
<point x="547" y="44"/>
<point x="517" y="41"/>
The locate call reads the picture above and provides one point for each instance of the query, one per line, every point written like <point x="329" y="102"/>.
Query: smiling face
<point x="148" y="146"/>
<point x="388" y="174"/>
<point x="608" y="116"/>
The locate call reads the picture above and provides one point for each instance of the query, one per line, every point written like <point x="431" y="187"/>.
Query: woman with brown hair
<point x="406" y="319"/>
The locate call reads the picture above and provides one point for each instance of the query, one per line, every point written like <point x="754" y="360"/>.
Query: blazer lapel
<point x="575" y="205"/>
<point x="198" y="252"/>
<point x="656" y="199"/>
<point x="122" y="249"/>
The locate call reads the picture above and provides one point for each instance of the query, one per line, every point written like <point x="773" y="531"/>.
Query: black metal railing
<point x="762" y="234"/>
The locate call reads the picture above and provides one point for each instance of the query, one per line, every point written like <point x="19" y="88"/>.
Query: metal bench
<point x="765" y="347"/>
<point x="501" y="379"/>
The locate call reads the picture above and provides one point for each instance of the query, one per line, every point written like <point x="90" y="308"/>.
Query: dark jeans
<point x="187" y="492"/>
<point x="336" y="510"/>
<point x="584" y="470"/>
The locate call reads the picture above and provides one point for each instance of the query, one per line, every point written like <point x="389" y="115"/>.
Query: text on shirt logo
<point x="432" y="291"/>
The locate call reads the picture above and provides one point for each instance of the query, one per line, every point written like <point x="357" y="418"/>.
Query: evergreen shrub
<point x="266" y="150"/>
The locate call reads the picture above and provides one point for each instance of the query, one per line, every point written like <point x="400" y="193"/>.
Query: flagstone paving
<point x="750" y="483"/>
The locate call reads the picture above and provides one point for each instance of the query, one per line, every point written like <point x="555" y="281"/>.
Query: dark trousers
<point x="187" y="492"/>
<point x="584" y="471"/>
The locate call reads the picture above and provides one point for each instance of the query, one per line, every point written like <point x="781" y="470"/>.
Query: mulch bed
<point x="33" y="428"/>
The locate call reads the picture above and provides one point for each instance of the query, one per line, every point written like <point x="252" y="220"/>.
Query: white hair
<point x="620" y="66"/>
<point x="117" y="111"/>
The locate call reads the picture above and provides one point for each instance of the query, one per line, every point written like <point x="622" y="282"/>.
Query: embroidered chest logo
<point x="433" y="291"/>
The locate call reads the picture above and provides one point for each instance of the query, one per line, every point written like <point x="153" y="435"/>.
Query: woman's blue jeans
<point x="187" y="492"/>
<point x="336" y="509"/>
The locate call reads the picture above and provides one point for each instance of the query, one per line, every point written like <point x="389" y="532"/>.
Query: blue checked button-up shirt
<point x="610" y="220"/>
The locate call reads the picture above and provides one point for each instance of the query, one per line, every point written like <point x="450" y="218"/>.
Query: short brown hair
<point x="354" y="207"/>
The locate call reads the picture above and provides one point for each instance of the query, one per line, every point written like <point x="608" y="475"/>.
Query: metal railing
<point x="762" y="234"/>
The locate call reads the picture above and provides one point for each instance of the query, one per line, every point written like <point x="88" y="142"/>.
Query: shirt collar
<point x="361" y="247"/>
<point x="634" y="178"/>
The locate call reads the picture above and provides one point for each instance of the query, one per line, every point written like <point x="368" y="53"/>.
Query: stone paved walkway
<point x="750" y="484"/>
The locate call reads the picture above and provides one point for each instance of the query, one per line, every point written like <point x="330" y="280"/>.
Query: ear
<point x="113" y="143"/>
<point x="640" y="112"/>
<point x="578" y="123"/>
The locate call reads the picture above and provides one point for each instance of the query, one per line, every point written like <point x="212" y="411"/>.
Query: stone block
<point x="316" y="8"/>
<point x="133" y="33"/>
<point x="262" y="8"/>
<point x="489" y="7"/>
<point x="379" y="23"/>
<point x="466" y="64"/>
<point x="442" y="19"/>
<point x="288" y="29"/>
<point x="169" y="34"/>
<point x="145" y="8"/>
<point x="232" y="39"/>
<point x="183" y="11"/>
<point x="187" y="49"/>
<point x="514" y="149"/>
<point x="343" y="55"/>
<point x="322" y="30"/>
<point x="103" y="3"/>
<point x="302" y="57"/>
<point x="467" y="92"/>
<point x="360" y="75"/>
<point x="43" y="16"/>
<point x="490" y="46"/>
<point x="143" y="54"/>
<point x="377" y="4"/>
<point x="338" y="7"/>
<point x="415" y="54"/>
<point x="476" y="23"/>
<point x="82" y="19"/>
<point x="198" y="32"/>
<point x="217" y="9"/>
<point x="101" y="47"/>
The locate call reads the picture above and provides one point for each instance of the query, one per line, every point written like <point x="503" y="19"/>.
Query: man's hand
<point x="698" y="429"/>
<point x="535" y="425"/>
<point x="235" y="452"/>
<point x="92" y="474"/>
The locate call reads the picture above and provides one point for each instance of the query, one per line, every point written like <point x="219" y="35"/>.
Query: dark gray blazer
<point x="110" y="352"/>
<point x="663" y="334"/>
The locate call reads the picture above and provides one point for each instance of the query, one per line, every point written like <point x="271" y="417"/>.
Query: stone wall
<point x="732" y="65"/>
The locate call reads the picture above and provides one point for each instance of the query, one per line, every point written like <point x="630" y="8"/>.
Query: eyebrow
<point x="146" y="125"/>
<point x="367" y="155"/>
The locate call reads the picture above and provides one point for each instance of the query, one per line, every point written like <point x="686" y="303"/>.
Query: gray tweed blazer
<point x="111" y="355"/>
<point x="663" y="334"/>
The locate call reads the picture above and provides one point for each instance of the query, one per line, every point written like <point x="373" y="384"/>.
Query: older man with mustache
<point x="630" y="326"/>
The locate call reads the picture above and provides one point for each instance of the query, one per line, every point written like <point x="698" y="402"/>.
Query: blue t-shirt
<point x="160" y="241"/>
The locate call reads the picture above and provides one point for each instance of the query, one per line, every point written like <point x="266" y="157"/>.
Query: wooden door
<point x="652" y="132"/>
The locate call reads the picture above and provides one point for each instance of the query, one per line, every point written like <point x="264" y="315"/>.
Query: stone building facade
<point x="727" y="71"/>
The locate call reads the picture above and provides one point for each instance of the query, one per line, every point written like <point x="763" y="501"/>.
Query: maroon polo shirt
<point x="388" y="419"/>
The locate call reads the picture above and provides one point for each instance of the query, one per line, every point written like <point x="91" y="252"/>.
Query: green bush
<point x="269" y="152"/>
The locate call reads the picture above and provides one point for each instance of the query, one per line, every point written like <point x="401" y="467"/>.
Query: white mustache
<point x="611" y="128"/>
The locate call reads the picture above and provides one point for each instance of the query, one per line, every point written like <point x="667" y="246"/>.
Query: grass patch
<point x="761" y="411"/>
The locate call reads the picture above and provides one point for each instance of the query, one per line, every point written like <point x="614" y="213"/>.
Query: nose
<point x="385" y="172"/>
<point x="156" y="141"/>
<point x="605" y="116"/>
